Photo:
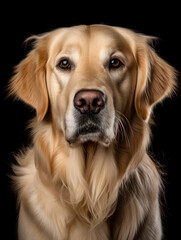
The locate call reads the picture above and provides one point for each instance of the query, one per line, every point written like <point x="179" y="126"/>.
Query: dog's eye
<point x="115" y="63"/>
<point x="64" y="64"/>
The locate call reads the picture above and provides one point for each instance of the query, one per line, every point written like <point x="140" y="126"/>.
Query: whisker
<point x="124" y="126"/>
<point x="123" y="130"/>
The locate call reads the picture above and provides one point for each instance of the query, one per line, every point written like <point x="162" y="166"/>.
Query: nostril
<point x="80" y="102"/>
<point x="98" y="101"/>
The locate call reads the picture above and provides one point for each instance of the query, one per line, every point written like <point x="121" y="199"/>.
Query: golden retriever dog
<point x="87" y="175"/>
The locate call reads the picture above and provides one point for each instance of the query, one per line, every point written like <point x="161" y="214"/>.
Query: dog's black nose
<point x="89" y="101"/>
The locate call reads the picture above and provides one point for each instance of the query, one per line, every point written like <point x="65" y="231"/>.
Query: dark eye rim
<point x="62" y="66"/>
<point x="116" y="65"/>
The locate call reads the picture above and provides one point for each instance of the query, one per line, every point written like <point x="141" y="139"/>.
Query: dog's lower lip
<point x="86" y="132"/>
<point x="88" y="129"/>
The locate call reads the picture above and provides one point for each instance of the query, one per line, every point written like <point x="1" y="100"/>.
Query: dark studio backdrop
<point x="20" y="22"/>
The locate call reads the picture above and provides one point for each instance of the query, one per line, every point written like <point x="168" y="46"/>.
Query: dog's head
<point x="92" y="79"/>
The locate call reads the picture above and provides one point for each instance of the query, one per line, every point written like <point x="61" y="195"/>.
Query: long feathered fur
<point x="90" y="191"/>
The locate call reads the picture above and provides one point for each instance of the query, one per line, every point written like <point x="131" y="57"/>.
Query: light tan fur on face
<point x="98" y="185"/>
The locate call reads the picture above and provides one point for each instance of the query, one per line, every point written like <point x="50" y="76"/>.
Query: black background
<point x="156" y="19"/>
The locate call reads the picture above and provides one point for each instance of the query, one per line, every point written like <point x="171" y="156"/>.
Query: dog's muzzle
<point x="89" y="111"/>
<point x="89" y="104"/>
<point x="91" y="119"/>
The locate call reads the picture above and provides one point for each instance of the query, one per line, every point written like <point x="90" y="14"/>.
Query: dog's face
<point x="92" y="78"/>
<point x="91" y="81"/>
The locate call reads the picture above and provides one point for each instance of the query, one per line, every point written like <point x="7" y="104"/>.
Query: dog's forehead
<point x="89" y="39"/>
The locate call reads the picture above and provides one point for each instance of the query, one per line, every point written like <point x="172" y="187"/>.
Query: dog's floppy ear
<point x="155" y="80"/>
<point x="29" y="83"/>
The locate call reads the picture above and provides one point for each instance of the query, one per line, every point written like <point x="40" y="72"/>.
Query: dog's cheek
<point x="108" y="121"/>
<point x="57" y="101"/>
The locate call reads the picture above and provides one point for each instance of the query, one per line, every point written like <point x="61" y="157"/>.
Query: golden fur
<point x="93" y="186"/>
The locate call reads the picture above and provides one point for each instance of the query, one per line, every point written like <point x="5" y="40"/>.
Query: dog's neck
<point x="88" y="175"/>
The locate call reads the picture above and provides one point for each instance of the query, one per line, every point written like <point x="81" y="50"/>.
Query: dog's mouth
<point x="89" y="132"/>
<point x="85" y="126"/>
<point x="87" y="129"/>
